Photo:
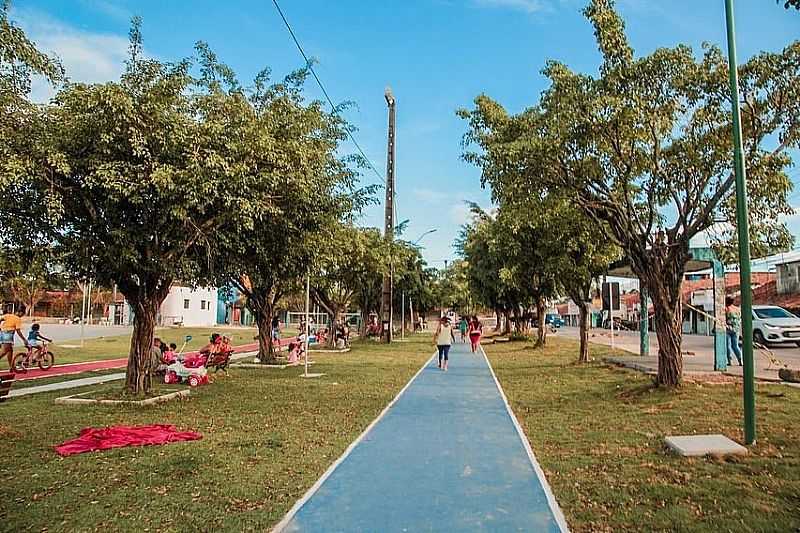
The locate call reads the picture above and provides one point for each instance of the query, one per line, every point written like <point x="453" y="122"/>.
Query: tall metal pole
<point x="83" y="310"/>
<point x="114" y="303"/>
<point x="610" y="314"/>
<point x="89" y="304"/>
<point x="386" y="299"/>
<point x="744" y="235"/>
<point x="411" y="313"/>
<point x="308" y="299"/>
<point x="403" y="318"/>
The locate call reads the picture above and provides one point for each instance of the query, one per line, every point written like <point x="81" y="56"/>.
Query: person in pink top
<point x="475" y="332"/>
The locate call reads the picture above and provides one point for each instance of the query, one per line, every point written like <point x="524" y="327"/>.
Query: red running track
<point x="106" y="364"/>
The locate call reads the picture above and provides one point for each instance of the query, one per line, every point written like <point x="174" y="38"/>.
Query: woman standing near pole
<point x="443" y="338"/>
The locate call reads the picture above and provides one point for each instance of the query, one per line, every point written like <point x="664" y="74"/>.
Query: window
<point x="203" y="304"/>
<point x="186" y="304"/>
<point x="773" y="312"/>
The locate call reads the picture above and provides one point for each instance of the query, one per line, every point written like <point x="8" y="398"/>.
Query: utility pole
<point x="403" y="318"/>
<point x="386" y="300"/>
<point x="744" y="235"/>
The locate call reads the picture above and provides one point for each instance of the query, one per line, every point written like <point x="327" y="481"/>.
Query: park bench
<point x="6" y="381"/>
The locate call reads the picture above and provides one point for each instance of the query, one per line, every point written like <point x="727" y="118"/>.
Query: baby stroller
<point x="191" y="370"/>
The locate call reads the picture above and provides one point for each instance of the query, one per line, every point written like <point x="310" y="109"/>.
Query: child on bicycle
<point x="35" y="338"/>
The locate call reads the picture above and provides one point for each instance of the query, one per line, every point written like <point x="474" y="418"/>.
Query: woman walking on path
<point x="475" y="332"/>
<point x="443" y="338"/>
<point x="733" y="320"/>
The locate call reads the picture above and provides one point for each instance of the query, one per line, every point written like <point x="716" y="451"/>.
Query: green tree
<point x="294" y="163"/>
<point x="20" y="61"/>
<point x="27" y="272"/>
<point x="451" y="288"/>
<point x="572" y="248"/>
<point x="412" y="278"/>
<point x="645" y="149"/>
<point x="355" y="257"/>
<point x="145" y="175"/>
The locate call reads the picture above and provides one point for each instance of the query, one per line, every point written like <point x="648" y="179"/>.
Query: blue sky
<point x="436" y="54"/>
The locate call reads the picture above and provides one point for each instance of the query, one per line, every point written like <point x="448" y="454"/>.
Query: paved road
<point x="68" y="332"/>
<point x="698" y="352"/>
<point x="446" y="457"/>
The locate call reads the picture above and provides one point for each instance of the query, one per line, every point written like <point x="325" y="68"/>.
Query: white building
<point x="187" y="307"/>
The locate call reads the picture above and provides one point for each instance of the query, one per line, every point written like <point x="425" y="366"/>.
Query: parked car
<point x="775" y="325"/>
<point x="555" y="320"/>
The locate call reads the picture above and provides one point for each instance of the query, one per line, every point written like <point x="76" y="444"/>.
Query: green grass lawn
<point x="598" y="433"/>
<point x="267" y="436"/>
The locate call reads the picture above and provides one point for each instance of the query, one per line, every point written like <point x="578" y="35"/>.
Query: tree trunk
<point x="499" y="324"/>
<point x="664" y="279"/>
<point x="541" y="335"/>
<point x="583" y="318"/>
<point x="668" y="322"/>
<point x="330" y="342"/>
<point x="364" y="318"/>
<point x="507" y="325"/>
<point x="139" y="371"/>
<point x="266" y="351"/>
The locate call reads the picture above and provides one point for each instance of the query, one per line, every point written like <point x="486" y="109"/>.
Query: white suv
<point x="775" y="325"/>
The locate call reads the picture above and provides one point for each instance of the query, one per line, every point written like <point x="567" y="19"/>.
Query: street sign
<point x="610" y="293"/>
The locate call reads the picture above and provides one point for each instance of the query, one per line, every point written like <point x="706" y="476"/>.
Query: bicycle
<point x="42" y="357"/>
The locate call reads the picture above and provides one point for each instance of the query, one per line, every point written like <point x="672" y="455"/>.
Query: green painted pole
<point x="744" y="236"/>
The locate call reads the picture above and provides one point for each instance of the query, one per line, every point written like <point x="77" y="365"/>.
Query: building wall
<point x="191" y="307"/>
<point x="788" y="278"/>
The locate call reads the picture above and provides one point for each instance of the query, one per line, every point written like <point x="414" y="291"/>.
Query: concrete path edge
<point x="280" y="526"/>
<point x="551" y="499"/>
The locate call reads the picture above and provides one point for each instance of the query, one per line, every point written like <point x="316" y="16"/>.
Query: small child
<point x="295" y="350"/>
<point x="225" y="345"/>
<point x="169" y="356"/>
<point x="35" y="338"/>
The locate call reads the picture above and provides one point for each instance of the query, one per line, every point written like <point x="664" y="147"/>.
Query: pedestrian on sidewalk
<point x="475" y="332"/>
<point x="733" y="321"/>
<point x="11" y="323"/>
<point x="444" y="338"/>
<point x="462" y="328"/>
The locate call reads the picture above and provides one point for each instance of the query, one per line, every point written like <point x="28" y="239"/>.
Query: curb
<point x="74" y="400"/>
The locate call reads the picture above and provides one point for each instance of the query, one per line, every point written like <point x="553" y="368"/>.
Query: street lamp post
<point x="388" y="281"/>
<point x="416" y="242"/>
<point x="744" y="235"/>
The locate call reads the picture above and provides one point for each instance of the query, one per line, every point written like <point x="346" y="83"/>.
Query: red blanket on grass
<point x="92" y="439"/>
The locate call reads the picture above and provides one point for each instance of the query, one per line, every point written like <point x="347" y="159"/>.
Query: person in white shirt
<point x="443" y="338"/>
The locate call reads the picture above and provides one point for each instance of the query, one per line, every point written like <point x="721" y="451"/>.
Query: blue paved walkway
<point x="445" y="457"/>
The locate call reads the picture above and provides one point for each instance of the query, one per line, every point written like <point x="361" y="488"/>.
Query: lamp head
<point x="389" y="96"/>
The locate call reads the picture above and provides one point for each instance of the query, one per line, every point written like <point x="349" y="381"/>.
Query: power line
<point x="325" y="92"/>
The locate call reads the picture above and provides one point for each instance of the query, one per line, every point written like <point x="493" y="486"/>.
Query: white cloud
<point x="86" y="56"/>
<point x="460" y="214"/>
<point x="109" y="8"/>
<point x="528" y="6"/>
<point x="429" y="195"/>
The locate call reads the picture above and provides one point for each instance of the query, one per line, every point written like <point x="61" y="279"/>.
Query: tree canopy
<point x="644" y="150"/>
<point x="144" y="182"/>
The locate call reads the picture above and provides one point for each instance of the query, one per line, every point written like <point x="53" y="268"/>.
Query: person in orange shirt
<point x="11" y="323"/>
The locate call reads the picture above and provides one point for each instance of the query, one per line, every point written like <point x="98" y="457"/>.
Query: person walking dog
<point x="443" y="338"/>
